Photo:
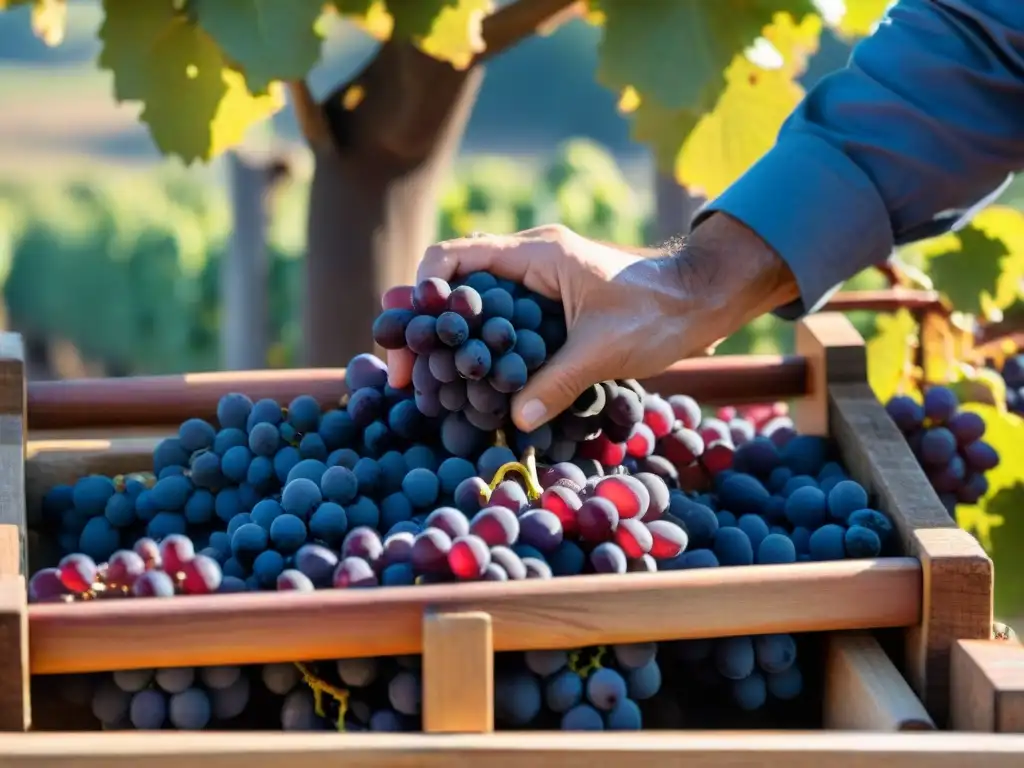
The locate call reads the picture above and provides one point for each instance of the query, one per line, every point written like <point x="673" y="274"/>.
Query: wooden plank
<point x="560" y="613"/>
<point x="987" y="686"/>
<point x="957" y="572"/>
<point x="15" y="705"/>
<point x="865" y="692"/>
<point x="458" y="673"/>
<point x="665" y="749"/>
<point x="52" y="462"/>
<point x="887" y="300"/>
<point x="146" y="401"/>
<point x="835" y="353"/>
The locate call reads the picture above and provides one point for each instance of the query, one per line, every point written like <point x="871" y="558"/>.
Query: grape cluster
<point x="619" y="687"/>
<point x="948" y="444"/>
<point x="1013" y="377"/>
<point x="475" y="342"/>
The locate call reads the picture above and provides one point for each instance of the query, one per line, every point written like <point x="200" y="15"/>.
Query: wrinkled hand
<point x="627" y="315"/>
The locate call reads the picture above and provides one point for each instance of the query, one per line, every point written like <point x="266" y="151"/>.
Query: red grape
<point x="641" y="442"/>
<point x="509" y="561"/>
<point x="693" y="477"/>
<point x="469" y="557"/>
<point x="634" y="538"/>
<point x="202" y="576"/>
<point x="686" y="410"/>
<point x="608" y="558"/>
<point x="714" y="429"/>
<point x="449" y="520"/>
<point x="658" y="415"/>
<point x="564" y="502"/>
<point x="430" y="550"/>
<point x="123" y="568"/>
<point x="149" y="551"/>
<point x="597" y="518"/>
<point x="77" y="572"/>
<point x="682" y="446"/>
<point x="669" y="539"/>
<point x="153" y="584"/>
<point x="541" y="529"/>
<point x="175" y="551"/>
<point x="498" y="526"/>
<point x="363" y="542"/>
<point x="718" y="456"/>
<point x="397" y="548"/>
<point x="603" y="450"/>
<point x="430" y="296"/>
<point x="628" y="494"/>
<point x="354" y="572"/>
<point x="291" y="580"/>
<point x="45" y="586"/>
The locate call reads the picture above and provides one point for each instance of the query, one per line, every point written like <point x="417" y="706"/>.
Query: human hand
<point x="628" y="315"/>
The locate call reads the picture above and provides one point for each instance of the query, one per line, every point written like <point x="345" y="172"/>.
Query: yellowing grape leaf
<point x="49" y="18"/>
<point x="970" y="271"/>
<point x="1005" y="224"/>
<point x="889" y="354"/>
<point x="267" y="39"/>
<point x="195" y="105"/>
<point x="449" y="30"/>
<point x="674" y="52"/>
<point x="708" y="152"/>
<point x="371" y="16"/>
<point x="861" y="16"/>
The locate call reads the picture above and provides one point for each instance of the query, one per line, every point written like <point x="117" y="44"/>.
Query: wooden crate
<point x="939" y="593"/>
<point x="987" y="686"/>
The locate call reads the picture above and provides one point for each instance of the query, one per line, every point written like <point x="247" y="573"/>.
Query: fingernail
<point x="533" y="413"/>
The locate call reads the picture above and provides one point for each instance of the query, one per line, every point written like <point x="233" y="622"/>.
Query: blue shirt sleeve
<point x="921" y="129"/>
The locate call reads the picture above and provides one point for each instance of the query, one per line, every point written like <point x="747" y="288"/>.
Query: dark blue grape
<point x="452" y="396"/>
<point x="508" y="373"/>
<point x="499" y="335"/>
<point x="806" y="507"/>
<point x="442" y="366"/>
<point x="861" y="542"/>
<point x="264" y="439"/>
<point x="312" y="446"/>
<point x="365" y="370"/>
<point x="233" y="411"/>
<point x="527" y="314"/>
<point x="199" y="508"/>
<point x="287" y="533"/>
<point x="390" y="326"/>
<point x="311" y="469"/>
<point x="300" y="497"/>
<point x="264" y="411"/>
<point x="732" y="547"/>
<point x="826" y="543"/>
<point x="196" y="435"/>
<point x="940" y="404"/>
<point x="363" y="512"/>
<point x="229" y="438"/>
<point x="473" y="359"/>
<point x="467" y="303"/>
<point x="531" y="347"/>
<point x="366" y="406"/>
<point x="284" y="461"/>
<point x="460" y="437"/>
<point x="235" y="464"/>
<point x="452" y="329"/>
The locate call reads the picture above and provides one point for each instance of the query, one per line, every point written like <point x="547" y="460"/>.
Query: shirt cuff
<point x="817" y="210"/>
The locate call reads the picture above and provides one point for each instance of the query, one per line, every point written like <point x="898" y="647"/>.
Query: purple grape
<point x="541" y="529"/>
<point x="608" y="558"/>
<point x="449" y="520"/>
<point x="430" y="296"/>
<point x="498" y="526"/>
<point x="510" y="562"/>
<point x="430" y="551"/>
<point x="597" y="519"/>
<point x="354" y="572"/>
<point x="363" y="542"/>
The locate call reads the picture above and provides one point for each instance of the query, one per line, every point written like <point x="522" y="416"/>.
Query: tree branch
<point x="516" y="21"/>
<point x="310" y="114"/>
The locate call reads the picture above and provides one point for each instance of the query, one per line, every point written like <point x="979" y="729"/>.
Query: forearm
<point x="925" y="124"/>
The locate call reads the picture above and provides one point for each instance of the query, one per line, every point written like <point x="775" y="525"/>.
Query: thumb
<point x="555" y="387"/>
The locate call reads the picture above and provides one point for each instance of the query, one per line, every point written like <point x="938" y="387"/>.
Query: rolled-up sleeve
<point x="920" y="129"/>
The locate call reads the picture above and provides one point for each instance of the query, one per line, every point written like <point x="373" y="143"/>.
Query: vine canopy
<point x="708" y="83"/>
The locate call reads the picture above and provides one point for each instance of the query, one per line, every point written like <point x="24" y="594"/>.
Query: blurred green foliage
<point x="128" y="271"/>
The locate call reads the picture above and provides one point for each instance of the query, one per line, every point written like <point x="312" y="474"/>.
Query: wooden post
<point x="987" y="686"/>
<point x="15" y="707"/>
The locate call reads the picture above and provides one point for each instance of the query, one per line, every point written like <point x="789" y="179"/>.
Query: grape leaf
<point x="861" y="16"/>
<point x="449" y="30"/>
<point x="708" y="152"/>
<point x="194" y="104"/>
<point x="996" y="520"/>
<point x="674" y="52"/>
<point x="889" y="353"/>
<point x="972" y="270"/>
<point x="1005" y="224"/>
<point x="49" y="18"/>
<point x="371" y="16"/>
<point x="267" y="39"/>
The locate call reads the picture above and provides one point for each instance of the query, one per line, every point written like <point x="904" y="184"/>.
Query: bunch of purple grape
<point x="948" y="444"/>
<point x="1013" y="377"/>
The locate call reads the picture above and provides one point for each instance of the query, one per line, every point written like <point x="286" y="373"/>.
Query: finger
<point x="554" y="387"/>
<point x="398" y="297"/>
<point x="400" y="367"/>
<point x="529" y="261"/>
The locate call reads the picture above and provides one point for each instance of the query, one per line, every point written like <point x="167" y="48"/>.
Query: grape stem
<point x="320" y="687"/>
<point x="500" y="441"/>
<point x="533" y="489"/>
<point x="593" y="663"/>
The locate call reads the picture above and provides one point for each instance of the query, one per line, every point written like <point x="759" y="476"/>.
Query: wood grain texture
<point x="865" y="692"/>
<point x="957" y="572"/>
<point x="147" y="401"/>
<point x="667" y="749"/>
<point x="560" y="613"/>
<point x="458" y="673"/>
<point x="987" y="686"/>
<point x="15" y="705"/>
<point x="835" y="354"/>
